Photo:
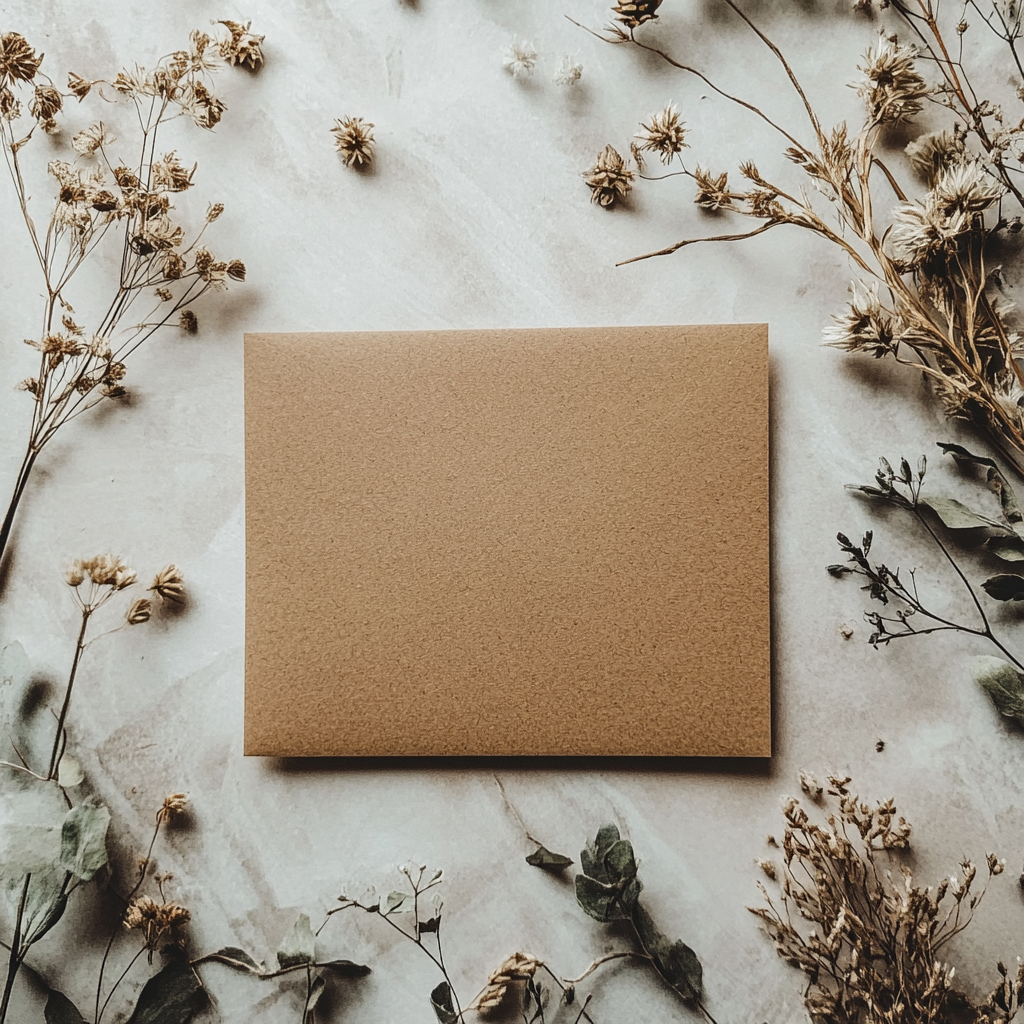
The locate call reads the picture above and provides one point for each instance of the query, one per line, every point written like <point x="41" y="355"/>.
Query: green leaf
<point x="957" y="516"/>
<point x="69" y="772"/>
<point x="172" y="996"/>
<point x="237" y="958"/>
<point x="299" y="945"/>
<point x="441" y="1001"/>
<point x="1005" y="586"/>
<point x="83" y="839"/>
<point x="1003" y="683"/>
<point x="607" y="902"/>
<point x="1009" y="549"/>
<point x="45" y="904"/>
<point x="544" y="858"/>
<point x="996" y="480"/>
<point x="675" y="961"/>
<point x="60" y="1010"/>
<point x="345" y="968"/>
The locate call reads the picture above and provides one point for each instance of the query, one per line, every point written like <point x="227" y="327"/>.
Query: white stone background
<point x="476" y="216"/>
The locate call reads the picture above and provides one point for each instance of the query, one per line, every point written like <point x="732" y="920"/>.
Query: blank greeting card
<point x="505" y="542"/>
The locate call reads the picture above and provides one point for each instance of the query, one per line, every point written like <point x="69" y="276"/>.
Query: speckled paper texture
<point x="522" y="542"/>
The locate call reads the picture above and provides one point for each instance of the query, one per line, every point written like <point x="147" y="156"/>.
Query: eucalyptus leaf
<point x="83" y="839"/>
<point x="955" y="515"/>
<point x="607" y="902"/>
<point x="441" y="1001"/>
<point x="1003" y="683"/>
<point x="1005" y="586"/>
<point x="1009" y="549"/>
<point x="316" y="990"/>
<point x="299" y="945"/>
<point x="60" y="1010"/>
<point x="544" y="858"/>
<point x="674" y="961"/>
<point x="70" y="773"/>
<point x="174" y="995"/>
<point x="345" y="968"/>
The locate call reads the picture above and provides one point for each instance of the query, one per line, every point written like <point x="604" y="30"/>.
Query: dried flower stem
<point x="58" y="739"/>
<point x="17" y="955"/>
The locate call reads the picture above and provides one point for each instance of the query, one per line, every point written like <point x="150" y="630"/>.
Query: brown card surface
<point x="545" y="542"/>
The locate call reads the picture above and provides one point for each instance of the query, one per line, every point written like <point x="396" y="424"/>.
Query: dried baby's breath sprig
<point x="353" y="138"/>
<point x="568" y="71"/>
<point x="609" y="180"/>
<point x="519" y="58"/>
<point x="169" y="585"/>
<point x="665" y="134"/>
<point x="870" y="945"/>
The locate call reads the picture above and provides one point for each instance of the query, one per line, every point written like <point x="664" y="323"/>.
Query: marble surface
<point x="475" y="215"/>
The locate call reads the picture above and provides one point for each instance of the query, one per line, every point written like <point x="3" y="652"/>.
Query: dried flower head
<point x="933" y="153"/>
<point x="18" y="61"/>
<point x="864" y="326"/>
<point x="236" y="270"/>
<point x="174" y="806"/>
<point x="665" y="135"/>
<point x="88" y="140"/>
<point x="244" y="47"/>
<point x="353" y="138"/>
<point x="892" y="87"/>
<point x="568" y="71"/>
<point x="101" y="571"/>
<point x="519" y="58"/>
<point x="213" y="211"/>
<point x="169" y="585"/>
<point x="140" y="611"/>
<point x="170" y="175"/>
<point x="188" y="321"/>
<point x="161" y="924"/>
<point x="712" y="190"/>
<point x="966" y="186"/>
<point x="609" y="180"/>
<point x="810" y="785"/>
<point x="46" y="102"/>
<point x="79" y="86"/>
<point x="518" y="967"/>
<point x="635" y="12"/>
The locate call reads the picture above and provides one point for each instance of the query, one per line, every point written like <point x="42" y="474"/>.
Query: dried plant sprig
<point x="664" y="133"/>
<point x="241" y="46"/>
<point x="107" y="198"/>
<point x="926" y="294"/>
<point x="568" y="71"/>
<point x="519" y="58"/>
<point x="353" y="138"/>
<point x="610" y="180"/>
<point x="869" y="940"/>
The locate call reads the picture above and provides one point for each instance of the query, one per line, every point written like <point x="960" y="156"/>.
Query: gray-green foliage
<point x="1004" y="685"/>
<point x="608" y="889"/>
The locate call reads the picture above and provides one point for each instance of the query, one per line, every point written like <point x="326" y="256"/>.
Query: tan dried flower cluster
<point x="635" y="12"/>
<point x="518" y="967"/>
<point x="101" y="571"/>
<point x="242" y="46"/>
<point x="870" y="945"/>
<point x="175" y="806"/>
<point x="353" y="138"/>
<point x="609" y="180"/>
<point x="161" y="924"/>
<point x="892" y="87"/>
<point x="664" y="135"/>
<point x="169" y="585"/>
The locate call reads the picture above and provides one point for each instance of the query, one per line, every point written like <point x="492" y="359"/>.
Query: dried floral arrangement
<point x="848" y="914"/>
<point x="925" y="234"/>
<point x="122" y="202"/>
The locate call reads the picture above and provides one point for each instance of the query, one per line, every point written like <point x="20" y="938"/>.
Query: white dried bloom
<point x="966" y="187"/>
<point x="863" y="327"/>
<point x="892" y="87"/>
<point x="920" y="231"/>
<point x="568" y="71"/>
<point x="88" y="140"/>
<point x="520" y="58"/>
<point x="931" y="154"/>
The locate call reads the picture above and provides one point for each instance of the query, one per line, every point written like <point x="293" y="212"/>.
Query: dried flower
<point x="609" y="180"/>
<point x="664" y="135"/>
<point x="712" y="192"/>
<point x="517" y="967"/>
<point x="236" y="270"/>
<point x="174" y="805"/>
<point x="170" y="175"/>
<point x="931" y="154"/>
<point x="160" y="924"/>
<point x="519" y="58"/>
<point x="79" y="86"/>
<point x="46" y="101"/>
<point x="244" y="47"/>
<point x="88" y="140"/>
<point x="169" y="585"/>
<point x="353" y="138"/>
<point x="965" y="186"/>
<point x="635" y="12"/>
<point x="139" y="612"/>
<point x="188" y="321"/>
<point x="892" y="87"/>
<point x="101" y="571"/>
<point x="810" y="785"/>
<point x="18" y="61"/>
<point x="864" y="327"/>
<point x="214" y="210"/>
<point x="568" y="72"/>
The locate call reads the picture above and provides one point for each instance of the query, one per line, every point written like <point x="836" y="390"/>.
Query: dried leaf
<point x="544" y="858"/>
<point x="441" y="1001"/>
<point x="1003" y="683"/>
<point x="345" y="968"/>
<point x="172" y="996"/>
<point x="957" y="516"/>
<point x="299" y="945"/>
<point x="316" y="990"/>
<point x="675" y="961"/>
<point x="83" y="839"/>
<point x="60" y="1010"/>
<point x="1009" y="549"/>
<point x="70" y="773"/>
<point x="1005" y="587"/>
<point x="237" y="958"/>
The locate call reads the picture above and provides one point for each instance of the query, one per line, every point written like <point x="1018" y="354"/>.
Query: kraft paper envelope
<point x="508" y="542"/>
